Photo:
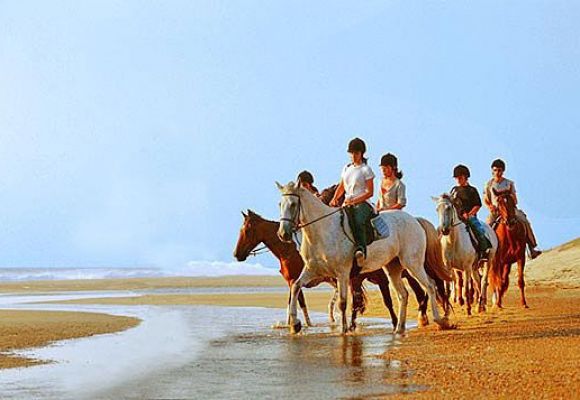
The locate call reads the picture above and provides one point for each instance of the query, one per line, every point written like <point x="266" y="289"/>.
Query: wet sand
<point x="140" y="284"/>
<point x="513" y="353"/>
<point x="509" y="353"/>
<point x="20" y="329"/>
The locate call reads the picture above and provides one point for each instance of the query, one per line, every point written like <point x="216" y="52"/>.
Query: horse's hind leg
<point x="342" y="285"/>
<point x="458" y="287"/>
<point x="357" y="299"/>
<point x="521" y="282"/>
<point x="395" y="271"/>
<point x="422" y="298"/>
<point x="387" y="300"/>
<point x="302" y="302"/>
<point x="332" y="303"/>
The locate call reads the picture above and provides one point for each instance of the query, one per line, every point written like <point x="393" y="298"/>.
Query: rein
<point x="259" y="250"/>
<point x="299" y="226"/>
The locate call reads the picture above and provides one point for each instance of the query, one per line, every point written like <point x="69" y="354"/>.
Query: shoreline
<point x="26" y="329"/>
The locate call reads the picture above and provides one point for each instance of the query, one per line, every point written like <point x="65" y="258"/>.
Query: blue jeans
<point x="479" y="230"/>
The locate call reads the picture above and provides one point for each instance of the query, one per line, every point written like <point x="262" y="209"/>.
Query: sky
<point x="132" y="133"/>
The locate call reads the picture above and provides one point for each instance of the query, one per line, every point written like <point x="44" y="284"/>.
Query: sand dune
<point x="559" y="266"/>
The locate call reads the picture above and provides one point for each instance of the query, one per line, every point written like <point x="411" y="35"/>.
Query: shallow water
<point x="208" y="353"/>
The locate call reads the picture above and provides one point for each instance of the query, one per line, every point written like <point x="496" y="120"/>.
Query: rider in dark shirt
<point x="467" y="202"/>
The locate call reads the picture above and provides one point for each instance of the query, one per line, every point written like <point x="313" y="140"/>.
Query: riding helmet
<point x="355" y="145"/>
<point x="499" y="163"/>
<point x="461" y="170"/>
<point x="389" y="160"/>
<point x="305" y="177"/>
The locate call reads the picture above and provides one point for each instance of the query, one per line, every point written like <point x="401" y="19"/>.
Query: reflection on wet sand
<point x="321" y="364"/>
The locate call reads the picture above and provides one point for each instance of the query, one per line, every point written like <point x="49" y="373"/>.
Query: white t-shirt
<point x="354" y="179"/>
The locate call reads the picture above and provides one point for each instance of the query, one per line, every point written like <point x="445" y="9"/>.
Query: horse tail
<point x="434" y="265"/>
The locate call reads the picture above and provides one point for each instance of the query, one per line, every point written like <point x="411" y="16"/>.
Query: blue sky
<point x="132" y="133"/>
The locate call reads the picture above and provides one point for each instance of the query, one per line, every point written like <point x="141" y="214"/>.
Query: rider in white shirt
<point x="356" y="184"/>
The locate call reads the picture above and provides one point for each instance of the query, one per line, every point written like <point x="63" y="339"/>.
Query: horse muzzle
<point x="284" y="234"/>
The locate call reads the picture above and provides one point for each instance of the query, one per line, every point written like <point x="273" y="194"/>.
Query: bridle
<point x="453" y="213"/>
<point x="295" y="220"/>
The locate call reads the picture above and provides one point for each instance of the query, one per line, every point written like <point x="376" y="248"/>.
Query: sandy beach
<point x="20" y="329"/>
<point x="509" y="353"/>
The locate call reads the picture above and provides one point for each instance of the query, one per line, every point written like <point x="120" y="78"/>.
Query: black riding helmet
<point x="355" y="145"/>
<point x="389" y="160"/>
<point x="499" y="163"/>
<point x="461" y="170"/>
<point x="305" y="177"/>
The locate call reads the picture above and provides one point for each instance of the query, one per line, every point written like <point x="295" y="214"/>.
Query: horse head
<point x="506" y="206"/>
<point x="249" y="237"/>
<point x="289" y="210"/>
<point x="445" y="212"/>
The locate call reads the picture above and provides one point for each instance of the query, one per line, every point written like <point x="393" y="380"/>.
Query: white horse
<point x="459" y="253"/>
<point x="327" y="249"/>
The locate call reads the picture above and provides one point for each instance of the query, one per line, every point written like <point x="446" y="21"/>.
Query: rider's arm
<point x="514" y="193"/>
<point x="337" y="194"/>
<point x="401" y="197"/>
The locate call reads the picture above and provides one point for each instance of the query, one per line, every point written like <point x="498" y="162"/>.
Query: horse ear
<point x="251" y="213"/>
<point x="280" y="187"/>
<point x="244" y="214"/>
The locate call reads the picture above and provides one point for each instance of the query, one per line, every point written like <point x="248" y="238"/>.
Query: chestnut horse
<point x="256" y="230"/>
<point x="511" y="234"/>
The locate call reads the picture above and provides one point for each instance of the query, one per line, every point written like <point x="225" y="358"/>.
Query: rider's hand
<point x="465" y="215"/>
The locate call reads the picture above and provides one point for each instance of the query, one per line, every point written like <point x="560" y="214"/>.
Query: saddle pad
<point x="381" y="227"/>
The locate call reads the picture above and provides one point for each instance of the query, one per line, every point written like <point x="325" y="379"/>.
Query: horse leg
<point x="293" y="321"/>
<point x="387" y="300"/>
<point x="357" y="299"/>
<point x="418" y="271"/>
<point x="467" y="289"/>
<point x="395" y="271"/>
<point x="476" y="285"/>
<point x="302" y="302"/>
<point x="484" y="284"/>
<point x="459" y="288"/>
<point x="421" y="296"/>
<point x="505" y="281"/>
<point x="342" y="287"/>
<point x="332" y="303"/>
<point x="521" y="282"/>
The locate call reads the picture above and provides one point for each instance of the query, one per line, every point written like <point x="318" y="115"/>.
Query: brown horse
<point x="512" y="238"/>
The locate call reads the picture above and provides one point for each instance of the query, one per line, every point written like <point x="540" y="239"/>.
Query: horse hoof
<point x="444" y="324"/>
<point x="423" y="320"/>
<point x="481" y="309"/>
<point x="526" y="306"/>
<point x="296" y="328"/>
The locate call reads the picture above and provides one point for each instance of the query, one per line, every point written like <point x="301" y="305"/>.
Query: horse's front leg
<point x="342" y="286"/>
<point x="484" y="284"/>
<point x="293" y="321"/>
